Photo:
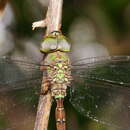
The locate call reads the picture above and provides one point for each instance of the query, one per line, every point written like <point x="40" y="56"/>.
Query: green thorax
<point x="55" y="42"/>
<point x="59" y="66"/>
<point x="58" y="72"/>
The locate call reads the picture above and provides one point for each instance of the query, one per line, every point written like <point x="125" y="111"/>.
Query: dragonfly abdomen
<point x="60" y="115"/>
<point x="58" y="90"/>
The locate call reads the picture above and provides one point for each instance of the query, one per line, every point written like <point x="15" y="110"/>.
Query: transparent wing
<point x="17" y="73"/>
<point x="101" y="89"/>
<point x="20" y="80"/>
<point x="18" y="109"/>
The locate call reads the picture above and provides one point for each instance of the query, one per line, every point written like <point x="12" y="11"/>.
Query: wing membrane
<point x="107" y="69"/>
<point x="101" y="89"/>
<point x="16" y="73"/>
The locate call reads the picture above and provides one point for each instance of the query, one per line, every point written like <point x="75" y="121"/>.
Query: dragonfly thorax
<point x="58" y="73"/>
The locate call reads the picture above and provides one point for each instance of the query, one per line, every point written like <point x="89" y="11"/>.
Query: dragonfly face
<point x="55" y="42"/>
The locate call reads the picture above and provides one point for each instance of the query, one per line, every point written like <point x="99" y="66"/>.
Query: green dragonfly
<point x="99" y="87"/>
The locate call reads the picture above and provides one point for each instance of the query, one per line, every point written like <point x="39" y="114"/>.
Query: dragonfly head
<point x="55" y="41"/>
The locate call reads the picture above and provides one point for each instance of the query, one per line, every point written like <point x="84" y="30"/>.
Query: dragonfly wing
<point x="101" y="90"/>
<point x="108" y="69"/>
<point x="18" y="109"/>
<point x="19" y="82"/>
<point x="17" y="73"/>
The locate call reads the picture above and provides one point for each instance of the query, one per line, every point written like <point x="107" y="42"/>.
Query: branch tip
<point x="41" y="23"/>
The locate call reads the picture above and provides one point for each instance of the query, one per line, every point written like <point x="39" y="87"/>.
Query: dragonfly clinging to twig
<point x="99" y="86"/>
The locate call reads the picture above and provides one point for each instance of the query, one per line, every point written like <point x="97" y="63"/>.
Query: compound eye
<point x="42" y="45"/>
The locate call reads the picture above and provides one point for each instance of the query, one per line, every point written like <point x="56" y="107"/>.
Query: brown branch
<point x="43" y="112"/>
<point x="37" y="24"/>
<point x="53" y="23"/>
<point x="53" y="17"/>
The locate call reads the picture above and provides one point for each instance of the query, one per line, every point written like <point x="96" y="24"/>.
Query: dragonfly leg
<point x="43" y="68"/>
<point x="45" y="86"/>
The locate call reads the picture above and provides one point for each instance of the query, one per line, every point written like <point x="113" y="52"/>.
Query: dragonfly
<point x="98" y="87"/>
